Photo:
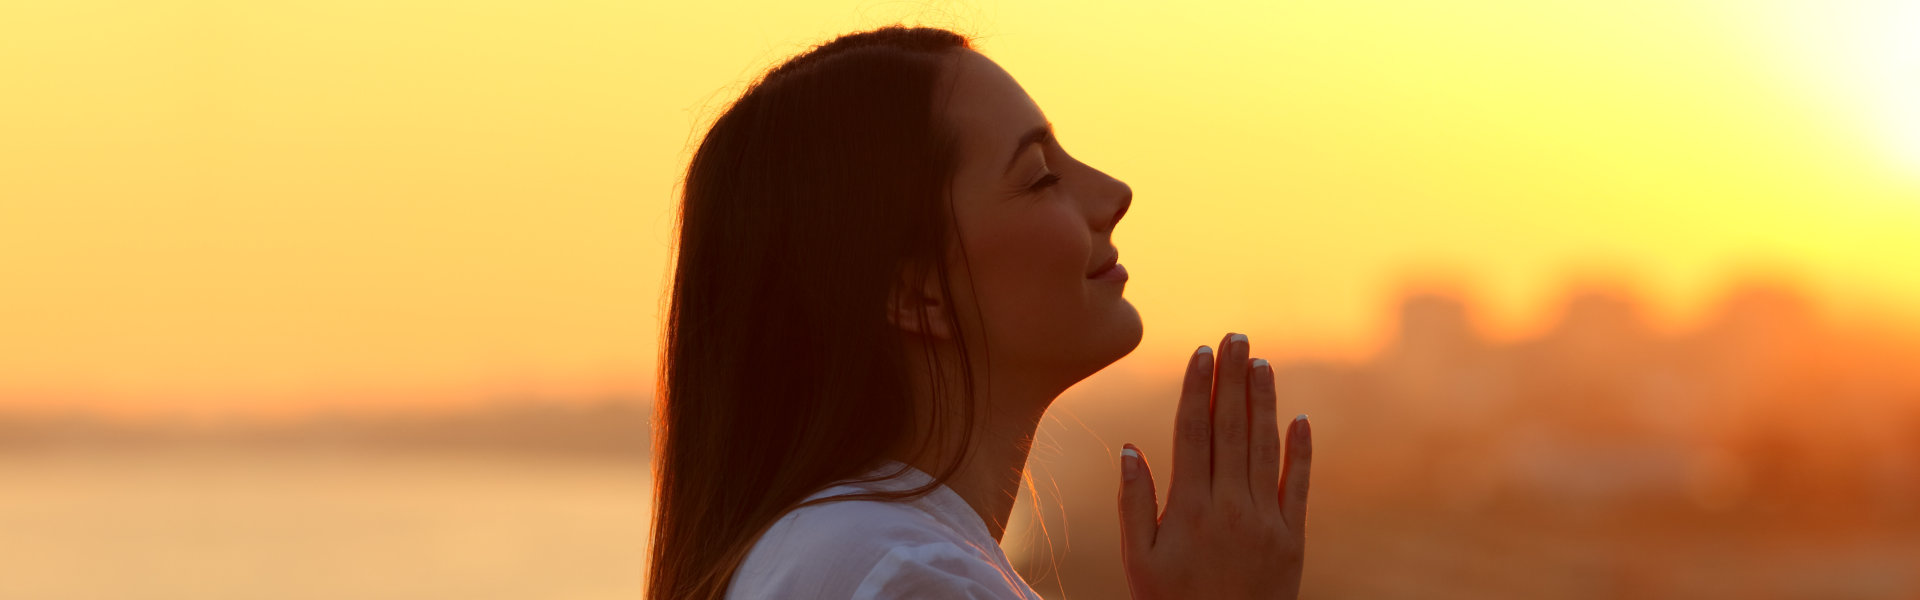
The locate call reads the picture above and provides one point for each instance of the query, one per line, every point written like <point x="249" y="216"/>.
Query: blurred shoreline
<point x="610" y="430"/>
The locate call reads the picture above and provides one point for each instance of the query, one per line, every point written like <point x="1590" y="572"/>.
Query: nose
<point x="1125" y="193"/>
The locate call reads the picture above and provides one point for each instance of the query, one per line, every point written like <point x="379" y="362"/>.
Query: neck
<point x="989" y="478"/>
<point x="1006" y="416"/>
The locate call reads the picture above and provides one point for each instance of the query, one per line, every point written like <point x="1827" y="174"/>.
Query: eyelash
<point x="1045" y="181"/>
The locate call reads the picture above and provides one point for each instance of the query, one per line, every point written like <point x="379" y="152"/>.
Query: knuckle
<point x="1233" y="513"/>
<point x="1266" y="451"/>
<point x="1233" y="432"/>
<point x="1268" y="543"/>
<point x="1271" y="520"/>
<point x="1194" y="430"/>
<point x="1233" y="423"/>
<point x="1276" y="544"/>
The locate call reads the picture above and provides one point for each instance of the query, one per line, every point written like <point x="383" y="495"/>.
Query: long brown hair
<point x="807" y="202"/>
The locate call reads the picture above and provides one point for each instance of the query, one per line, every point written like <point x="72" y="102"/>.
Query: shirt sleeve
<point x="933" y="570"/>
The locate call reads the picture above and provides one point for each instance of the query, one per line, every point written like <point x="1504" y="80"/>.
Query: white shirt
<point x="933" y="547"/>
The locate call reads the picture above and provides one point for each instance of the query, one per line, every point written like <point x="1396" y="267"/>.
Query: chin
<point x="1123" y="332"/>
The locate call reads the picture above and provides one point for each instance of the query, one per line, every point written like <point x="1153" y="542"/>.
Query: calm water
<point x="224" y="523"/>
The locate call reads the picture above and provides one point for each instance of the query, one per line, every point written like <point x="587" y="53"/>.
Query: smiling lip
<point x="1117" y="272"/>
<point x="1104" y="266"/>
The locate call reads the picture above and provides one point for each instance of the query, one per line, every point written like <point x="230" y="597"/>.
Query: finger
<point x="1192" y="433"/>
<point x="1139" y="510"/>
<point x="1263" y="482"/>
<point x="1230" y="418"/>
<point x="1293" y="506"/>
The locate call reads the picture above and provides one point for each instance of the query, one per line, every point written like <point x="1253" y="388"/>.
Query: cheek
<point x="1044" y="248"/>
<point x="1036" y="269"/>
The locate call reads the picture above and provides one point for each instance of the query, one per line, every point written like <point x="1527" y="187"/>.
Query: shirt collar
<point x="947" y="505"/>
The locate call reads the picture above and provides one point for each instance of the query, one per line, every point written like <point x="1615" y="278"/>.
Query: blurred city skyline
<point x="1426" y="311"/>
<point x="1761" y="453"/>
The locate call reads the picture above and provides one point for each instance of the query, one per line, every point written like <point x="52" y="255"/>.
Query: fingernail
<point x="1238" y="337"/>
<point x="1205" y="350"/>
<point x="1259" y="362"/>
<point x="1129" y="463"/>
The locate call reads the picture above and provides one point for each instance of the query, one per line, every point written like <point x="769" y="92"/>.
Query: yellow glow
<point x="291" y="206"/>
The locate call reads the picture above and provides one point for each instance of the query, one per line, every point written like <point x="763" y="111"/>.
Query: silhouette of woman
<point x="821" y="428"/>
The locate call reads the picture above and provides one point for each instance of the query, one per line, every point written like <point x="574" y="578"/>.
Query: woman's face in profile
<point x="1036" y="224"/>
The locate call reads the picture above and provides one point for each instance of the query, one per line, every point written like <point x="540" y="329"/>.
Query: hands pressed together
<point x="1235" y="523"/>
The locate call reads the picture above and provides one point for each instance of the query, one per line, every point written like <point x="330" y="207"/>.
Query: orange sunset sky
<point x="276" y="208"/>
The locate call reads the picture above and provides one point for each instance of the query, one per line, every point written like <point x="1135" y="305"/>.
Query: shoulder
<point x="859" y="549"/>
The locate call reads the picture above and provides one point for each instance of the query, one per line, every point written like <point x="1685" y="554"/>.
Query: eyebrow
<point x="1038" y="135"/>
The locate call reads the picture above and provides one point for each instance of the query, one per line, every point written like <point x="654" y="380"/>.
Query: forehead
<point x="988" y="109"/>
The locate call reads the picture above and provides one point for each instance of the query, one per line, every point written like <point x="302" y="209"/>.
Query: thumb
<point x="1139" y="511"/>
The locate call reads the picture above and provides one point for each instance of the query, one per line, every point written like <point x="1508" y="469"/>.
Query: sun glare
<point x="1897" y="45"/>
<point x="1866" y="54"/>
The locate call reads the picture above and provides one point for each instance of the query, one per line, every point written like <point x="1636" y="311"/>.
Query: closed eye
<point x="1045" y="181"/>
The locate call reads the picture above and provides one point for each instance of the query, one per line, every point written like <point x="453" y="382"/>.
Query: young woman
<point x="887" y="269"/>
